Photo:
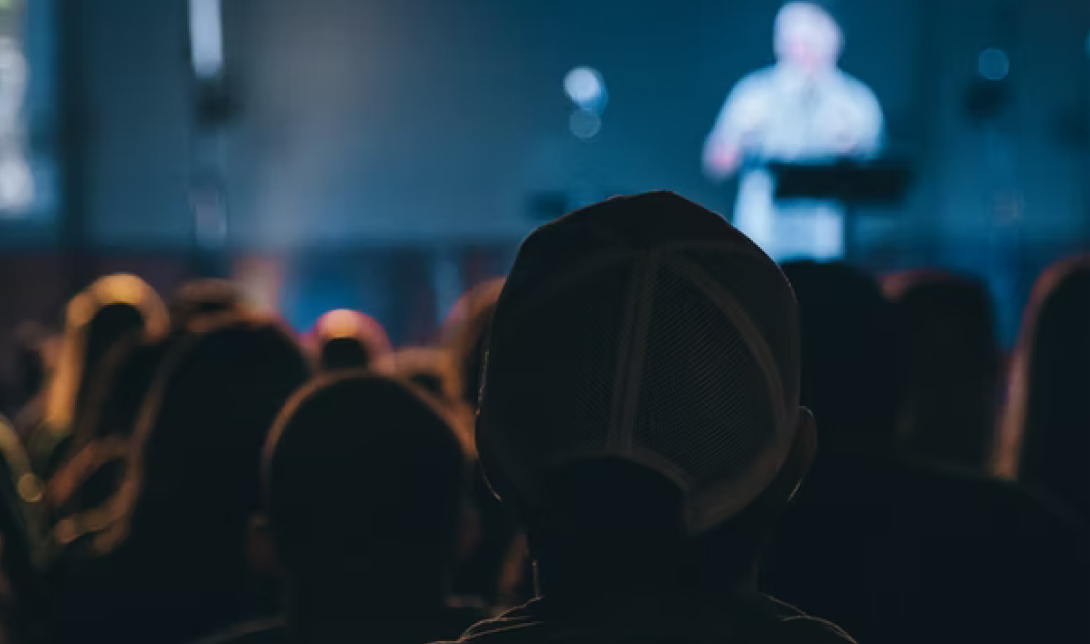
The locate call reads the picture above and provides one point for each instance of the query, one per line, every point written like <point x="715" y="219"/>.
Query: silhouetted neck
<point x="590" y="574"/>
<point x="359" y="607"/>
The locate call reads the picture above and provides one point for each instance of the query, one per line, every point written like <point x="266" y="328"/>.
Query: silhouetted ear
<point x="779" y="494"/>
<point x="261" y="547"/>
<point x="801" y="456"/>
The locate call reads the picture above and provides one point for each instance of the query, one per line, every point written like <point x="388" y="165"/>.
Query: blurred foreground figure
<point x="364" y="485"/>
<point x="949" y="355"/>
<point x="163" y="559"/>
<point x="198" y="298"/>
<point x="900" y="552"/>
<point x="98" y="447"/>
<point x="347" y="339"/>
<point x="1047" y="413"/>
<point x="110" y="311"/>
<point x="465" y="333"/>
<point x="803" y="109"/>
<point x="639" y="412"/>
<point x="497" y="568"/>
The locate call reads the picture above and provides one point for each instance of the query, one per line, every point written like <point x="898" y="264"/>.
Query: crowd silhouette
<point x="647" y="431"/>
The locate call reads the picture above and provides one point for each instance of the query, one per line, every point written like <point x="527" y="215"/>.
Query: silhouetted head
<point x="192" y="477"/>
<point x="640" y="387"/>
<point x="364" y="479"/>
<point x="466" y="332"/>
<point x="951" y="366"/>
<point x="1049" y="384"/>
<point x="427" y="368"/>
<point x="205" y="297"/>
<point x="849" y="373"/>
<point x="349" y="339"/>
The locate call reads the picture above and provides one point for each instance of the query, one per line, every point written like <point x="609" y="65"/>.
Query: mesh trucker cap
<point x="644" y="328"/>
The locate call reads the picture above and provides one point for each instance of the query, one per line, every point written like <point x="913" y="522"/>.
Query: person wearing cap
<point x="802" y="109"/>
<point x="639" y="412"/>
<point x="363" y="483"/>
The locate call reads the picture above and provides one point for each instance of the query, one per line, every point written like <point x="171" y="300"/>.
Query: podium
<point x="880" y="182"/>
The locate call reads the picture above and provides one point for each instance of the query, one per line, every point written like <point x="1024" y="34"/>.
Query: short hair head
<point x="359" y="465"/>
<point x="194" y="456"/>
<point x="348" y="339"/>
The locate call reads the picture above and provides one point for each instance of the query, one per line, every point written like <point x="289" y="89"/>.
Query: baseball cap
<point x="644" y="328"/>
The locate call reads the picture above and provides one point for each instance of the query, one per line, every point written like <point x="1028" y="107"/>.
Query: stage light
<point x="993" y="64"/>
<point x="584" y="124"/>
<point x="206" y="38"/>
<point x="585" y="87"/>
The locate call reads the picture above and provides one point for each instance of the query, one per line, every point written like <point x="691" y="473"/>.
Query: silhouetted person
<point x="898" y="552"/>
<point x="950" y="358"/>
<point x="97" y="449"/>
<point x="349" y="339"/>
<point x="164" y="559"/>
<point x="496" y="569"/>
<point x="1050" y="379"/>
<point x="364" y="489"/>
<point x="639" y="395"/>
<point x="114" y="308"/>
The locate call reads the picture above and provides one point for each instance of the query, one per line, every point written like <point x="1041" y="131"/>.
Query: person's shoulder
<point x="854" y="87"/>
<point x="793" y="626"/>
<point x="1007" y="506"/>
<point x="760" y="80"/>
<point x="264" y="631"/>
<point x="520" y="624"/>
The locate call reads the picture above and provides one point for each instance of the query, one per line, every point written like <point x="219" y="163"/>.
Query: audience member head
<point x="849" y="374"/>
<point x="349" y="339"/>
<point x="951" y="367"/>
<point x="112" y="309"/>
<point x="640" y="389"/>
<point x="1050" y="378"/>
<point x="192" y="476"/>
<point x="205" y="297"/>
<point x="364" y="480"/>
<point x="465" y="335"/>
